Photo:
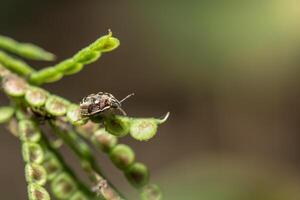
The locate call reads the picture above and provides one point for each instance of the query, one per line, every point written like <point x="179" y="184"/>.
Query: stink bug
<point x="94" y="104"/>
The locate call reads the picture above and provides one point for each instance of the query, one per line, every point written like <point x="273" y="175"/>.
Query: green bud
<point x="32" y="153"/>
<point x="151" y="192"/>
<point x="74" y="115"/>
<point x="117" y="125"/>
<point x="28" y="131"/>
<point x="138" y="175"/>
<point x="52" y="166"/>
<point x="122" y="156"/>
<point x="35" y="174"/>
<point x="37" y="192"/>
<point x="88" y="129"/>
<point x="106" y="43"/>
<point x="79" y="196"/>
<point x="63" y="186"/>
<point x="36" y="97"/>
<point x="14" y="86"/>
<point x="145" y="129"/>
<point x="56" y="106"/>
<point x="6" y="113"/>
<point x="104" y="140"/>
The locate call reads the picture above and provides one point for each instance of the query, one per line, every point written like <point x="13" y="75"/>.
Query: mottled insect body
<point x="94" y="104"/>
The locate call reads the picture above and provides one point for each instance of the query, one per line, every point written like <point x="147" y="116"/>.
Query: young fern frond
<point x="32" y="105"/>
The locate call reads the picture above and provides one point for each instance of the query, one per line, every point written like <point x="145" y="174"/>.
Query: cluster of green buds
<point x="33" y="155"/>
<point x="32" y="105"/>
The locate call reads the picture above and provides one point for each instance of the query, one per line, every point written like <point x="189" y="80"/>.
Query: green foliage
<point x="32" y="105"/>
<point x="15" y="65"/>
<point x="6" y="113"/>
<point x="75" y="64"/>
<point x="25" y="50"/>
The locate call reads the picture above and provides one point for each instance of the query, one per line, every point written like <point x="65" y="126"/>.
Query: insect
<point x="94" y="104"/>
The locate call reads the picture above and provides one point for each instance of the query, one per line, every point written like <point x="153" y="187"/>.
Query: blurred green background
<point x="227" y="70"/>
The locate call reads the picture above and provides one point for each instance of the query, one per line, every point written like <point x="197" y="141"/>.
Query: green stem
<point x="15" y="65"/>
<point x="47" y="145"/>
<point x="76" y="63"/>
<point x="83" y="152"/>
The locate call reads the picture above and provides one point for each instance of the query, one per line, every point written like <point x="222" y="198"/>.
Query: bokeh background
<point x="227" y="70"/>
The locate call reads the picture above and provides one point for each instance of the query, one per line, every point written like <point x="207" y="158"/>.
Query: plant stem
<point x="83" y="152"/>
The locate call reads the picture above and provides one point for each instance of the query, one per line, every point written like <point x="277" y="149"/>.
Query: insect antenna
<point x="128" y="96"/>
<point x="122" y="111"/>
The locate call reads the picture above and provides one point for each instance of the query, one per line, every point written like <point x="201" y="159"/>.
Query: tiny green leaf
<point x="14" y="86"/>
<point x="145" y="129"/>
<point x="86" y="56"/>
<point x="36" y="97"/>
<point x="63" y="186"/>
<point x="32" y="152"/>
<point x="104" y="140"/>
<point x="117" y="125"/>
<point x="52" y="166"/>
<point x="74" y="70"/>
<point x="55" y="77"/>
<point x="122" y="156"/>
<point x="106" y="43"/>
<point x="6" y="113"/>
<point x="35" y="174"/>
<point x="151" y="192"/>
<point x="137" y="175"/>
<point x="74" y="115"/>
<point x="56" y="106"/>
<point x="36" y="192"/>
<point x="28" y="131"/>
<point x="88" y="129"/>
<point x="46" y="75"/>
